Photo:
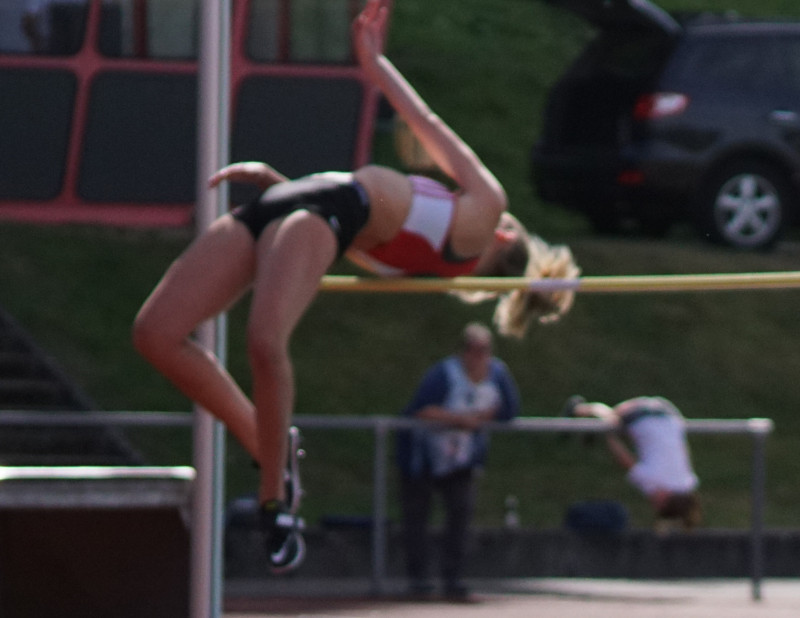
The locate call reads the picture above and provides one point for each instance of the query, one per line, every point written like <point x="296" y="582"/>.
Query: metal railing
<point x="381" y="426"/>
<point x="757" y="428"/>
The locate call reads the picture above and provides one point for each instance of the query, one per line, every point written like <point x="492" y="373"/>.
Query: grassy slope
<point x="485" y="67"/>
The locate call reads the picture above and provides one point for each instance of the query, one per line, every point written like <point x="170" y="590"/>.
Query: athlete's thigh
<point x="291" y="261"/>
<point x="213" y="272"/>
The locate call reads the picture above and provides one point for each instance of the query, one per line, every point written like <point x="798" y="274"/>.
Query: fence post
<point x="759" y="430"/>
<point x="379" y="508"/>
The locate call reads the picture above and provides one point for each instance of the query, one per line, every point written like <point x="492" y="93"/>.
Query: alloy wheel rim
<point x="747" y="209"/>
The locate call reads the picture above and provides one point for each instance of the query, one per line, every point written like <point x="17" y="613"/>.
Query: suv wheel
<point x="744" y="205"/>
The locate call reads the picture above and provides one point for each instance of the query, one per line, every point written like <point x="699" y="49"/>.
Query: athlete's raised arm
<point x="453" y="156"/>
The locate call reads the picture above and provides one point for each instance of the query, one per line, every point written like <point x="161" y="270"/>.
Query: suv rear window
<point x="717" y="63"/>
<point x="789" y="49"/>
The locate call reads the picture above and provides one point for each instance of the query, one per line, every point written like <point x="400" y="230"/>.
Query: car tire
<point x="744" y="205"/>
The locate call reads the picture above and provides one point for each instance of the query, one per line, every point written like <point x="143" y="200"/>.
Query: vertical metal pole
<point x="209" y="437"/>
<point x="379" y="509"/>
<point x="759" y="479"/>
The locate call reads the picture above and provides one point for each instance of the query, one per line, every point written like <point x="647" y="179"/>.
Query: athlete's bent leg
<point x="211" y="275"/>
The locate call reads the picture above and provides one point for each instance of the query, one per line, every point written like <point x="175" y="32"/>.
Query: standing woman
<point x="282" y="244"/>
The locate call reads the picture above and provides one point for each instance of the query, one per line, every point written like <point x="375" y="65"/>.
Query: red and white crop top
<point x="420" y="248"/>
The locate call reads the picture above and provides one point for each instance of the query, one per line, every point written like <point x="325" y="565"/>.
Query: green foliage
<point x="485" y="67"/>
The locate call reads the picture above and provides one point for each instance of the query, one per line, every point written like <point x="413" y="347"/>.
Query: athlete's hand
<point x="248" y="172"/>
<point x="368" y="29"/>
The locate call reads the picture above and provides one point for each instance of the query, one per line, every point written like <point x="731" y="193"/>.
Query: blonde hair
<point x="516" y="309"/>
<point x="532" y="258"/>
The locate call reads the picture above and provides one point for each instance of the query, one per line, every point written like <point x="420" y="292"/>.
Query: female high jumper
<point x="281" y="245"/>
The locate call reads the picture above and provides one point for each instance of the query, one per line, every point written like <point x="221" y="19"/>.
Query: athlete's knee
<point x="145" y="340"/>
<point x="266" y="349"/>
<point x="149" y="338"/>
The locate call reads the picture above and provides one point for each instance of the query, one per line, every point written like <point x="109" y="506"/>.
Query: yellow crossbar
<point x="622" y="283"/>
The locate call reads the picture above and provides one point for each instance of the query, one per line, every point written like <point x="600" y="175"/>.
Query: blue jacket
<point x="413" y="448"/>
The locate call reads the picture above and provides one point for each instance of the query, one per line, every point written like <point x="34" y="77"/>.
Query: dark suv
<point x="665" y="117"/>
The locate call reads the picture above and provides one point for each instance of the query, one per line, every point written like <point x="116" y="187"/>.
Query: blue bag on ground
<point x="596" y="516"/>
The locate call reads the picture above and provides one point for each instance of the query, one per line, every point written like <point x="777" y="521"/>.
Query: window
<point x="172" y="28"/>
<point x="726" y="63"/>
<point x="157" y="29"/>
<point x="279" y="31"/>
<point x="53" y="27"/>
<point x="790" y="54"/>
<point x="320" y="30"/>
<point x="101" y="125"/>
<point x="301" y="30"/>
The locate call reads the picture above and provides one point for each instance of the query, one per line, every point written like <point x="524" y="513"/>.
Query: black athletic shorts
<point x="343" y="206"/>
